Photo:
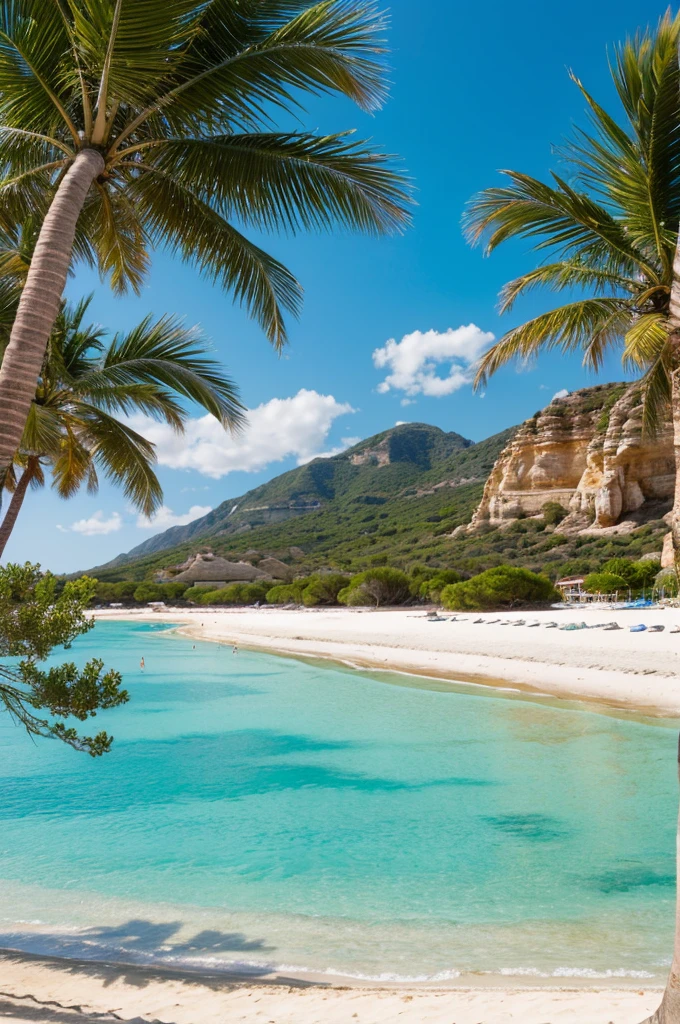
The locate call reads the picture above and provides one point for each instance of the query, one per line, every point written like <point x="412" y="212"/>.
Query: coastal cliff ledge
<point x="588" y="452"/>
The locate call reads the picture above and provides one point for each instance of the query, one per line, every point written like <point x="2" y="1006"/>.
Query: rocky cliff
<point x="588" y="452"/>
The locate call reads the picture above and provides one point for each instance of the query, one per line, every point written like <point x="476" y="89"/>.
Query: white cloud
<point x="412" y="362"/>
<point x="165" y="517"/>
<point x="560" y="394"/>
<point x="95" y="526"/>
<point x="275" y="430"/>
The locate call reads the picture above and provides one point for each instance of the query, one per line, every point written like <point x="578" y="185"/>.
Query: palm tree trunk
<point x="669" y="1011"/>
<point x="675" y="403"/>
<point x="39" y="303"/>
<point x="14" y="507"/>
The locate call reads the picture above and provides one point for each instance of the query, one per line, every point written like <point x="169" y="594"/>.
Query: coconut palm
<point x="608" y="229"/>
<point x="132" y="124"/>
<point x="73" y="430"/>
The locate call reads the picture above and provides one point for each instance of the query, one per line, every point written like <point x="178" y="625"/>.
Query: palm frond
<point x="291" y="180"/>
<point x="332" y="46"/>
<point x="591" y="325"/>
<point x="644" y="340"/>
<point x="168" y="355"/>
<point x="569" y="223"/>
<point x="117" y="237"/>
<point x="32" y="46"/>
<point x="126" y="457"/>
<point x="656" y="392"/>
<point x="183" y="223"/>
<point x="560" y="276"/>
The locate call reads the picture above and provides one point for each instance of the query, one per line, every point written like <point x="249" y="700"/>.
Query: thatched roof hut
<point x="278" y="570"/>
<point x="206" y="568"/>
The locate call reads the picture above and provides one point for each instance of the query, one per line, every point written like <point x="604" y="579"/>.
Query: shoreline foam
<point x="45" y="989"/>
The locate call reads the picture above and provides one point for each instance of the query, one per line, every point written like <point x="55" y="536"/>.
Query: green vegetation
<point x="322" y="509"/>
<point x="234" y="594"/>
<point x="553" y="513"/>
<point x="504" y="587"/>
<point x="36" y="617"/>
<point x="381" y="586"/>
<point x="604" y="583"/>
<point x="74" y="431"/>
<point x="606" y="232"/>
<point x="431" y="589"/>
<point x="133" y="127"/>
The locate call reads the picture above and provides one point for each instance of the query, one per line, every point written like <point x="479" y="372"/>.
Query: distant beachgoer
<point x="194" y="647"/>
<point x="234" y="649"/>
<point x="141" y="664"/>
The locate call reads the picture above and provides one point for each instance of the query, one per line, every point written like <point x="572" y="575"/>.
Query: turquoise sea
<point x="262" y="813"/>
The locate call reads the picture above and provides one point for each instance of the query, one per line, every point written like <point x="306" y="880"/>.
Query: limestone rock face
<point x="587" y="452"/>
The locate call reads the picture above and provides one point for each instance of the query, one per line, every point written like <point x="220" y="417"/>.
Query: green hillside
<point x="393" y="497"/>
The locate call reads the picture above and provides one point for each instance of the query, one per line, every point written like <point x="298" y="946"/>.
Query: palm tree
<point x="132" y="124"/>
<point x="72" y="428"/>
<point x="609" y="232"/>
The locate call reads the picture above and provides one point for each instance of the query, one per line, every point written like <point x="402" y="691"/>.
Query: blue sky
<point x="475" y="88"/>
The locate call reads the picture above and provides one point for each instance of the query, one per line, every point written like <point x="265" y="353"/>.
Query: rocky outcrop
<point x="588" y="452"/>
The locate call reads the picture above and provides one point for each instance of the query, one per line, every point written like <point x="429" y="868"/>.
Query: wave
<point x="73" y="944"/>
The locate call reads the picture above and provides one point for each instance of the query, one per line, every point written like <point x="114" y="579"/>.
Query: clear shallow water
<point x="259" y="812"/>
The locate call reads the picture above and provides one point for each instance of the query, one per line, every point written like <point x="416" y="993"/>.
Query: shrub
<point x="173" y="591"/>
<point x="194" y="595"/>
<point x="553" y="512"/>
<point x="148" y="592"/>
<point x="323" y="589"/>
<point x="237" y="594"/>
<point x="604" y="582"/>
<point x="502" y="587"/>
<point x="668" y="580"/>
<point x="620" y="567"/>
<point x="430" y="590"/>
<point x="287" y="593"/>
<point x="645" y="572"/>
<point x="382" y="586"/>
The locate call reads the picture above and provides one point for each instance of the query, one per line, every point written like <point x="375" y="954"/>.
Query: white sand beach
<point x="44" y="989"/>
<point x="619" y="668"/>
<point x="635" y="671"/>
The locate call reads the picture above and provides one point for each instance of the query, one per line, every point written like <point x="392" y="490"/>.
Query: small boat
<point x="656" y="629"/>
<point x="608" y="626"/>
<point x="530" y="625"/>
<point x="551" y="625"/>
<point x="520" y="622"/>
<point x="574" y="625"/>
<point x="640" y="628"/>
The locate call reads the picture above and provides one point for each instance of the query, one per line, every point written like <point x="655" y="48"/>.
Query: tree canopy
<point x="36" y="617"/>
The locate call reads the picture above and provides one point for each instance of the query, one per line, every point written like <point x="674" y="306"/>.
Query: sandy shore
<point x="634" y="671"/>
<point x="620" y="668"/>
<point x="45" y="989"/>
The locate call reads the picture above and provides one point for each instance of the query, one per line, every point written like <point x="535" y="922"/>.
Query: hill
<point x="406" y="497"/>
<point x="393" y="497"/>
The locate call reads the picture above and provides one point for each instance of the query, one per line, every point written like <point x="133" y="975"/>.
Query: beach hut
<point x="571" y="588"/>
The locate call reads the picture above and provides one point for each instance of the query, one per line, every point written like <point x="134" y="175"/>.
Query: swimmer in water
<point x="234" y="649"/>
<point x="141" y="664"/>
